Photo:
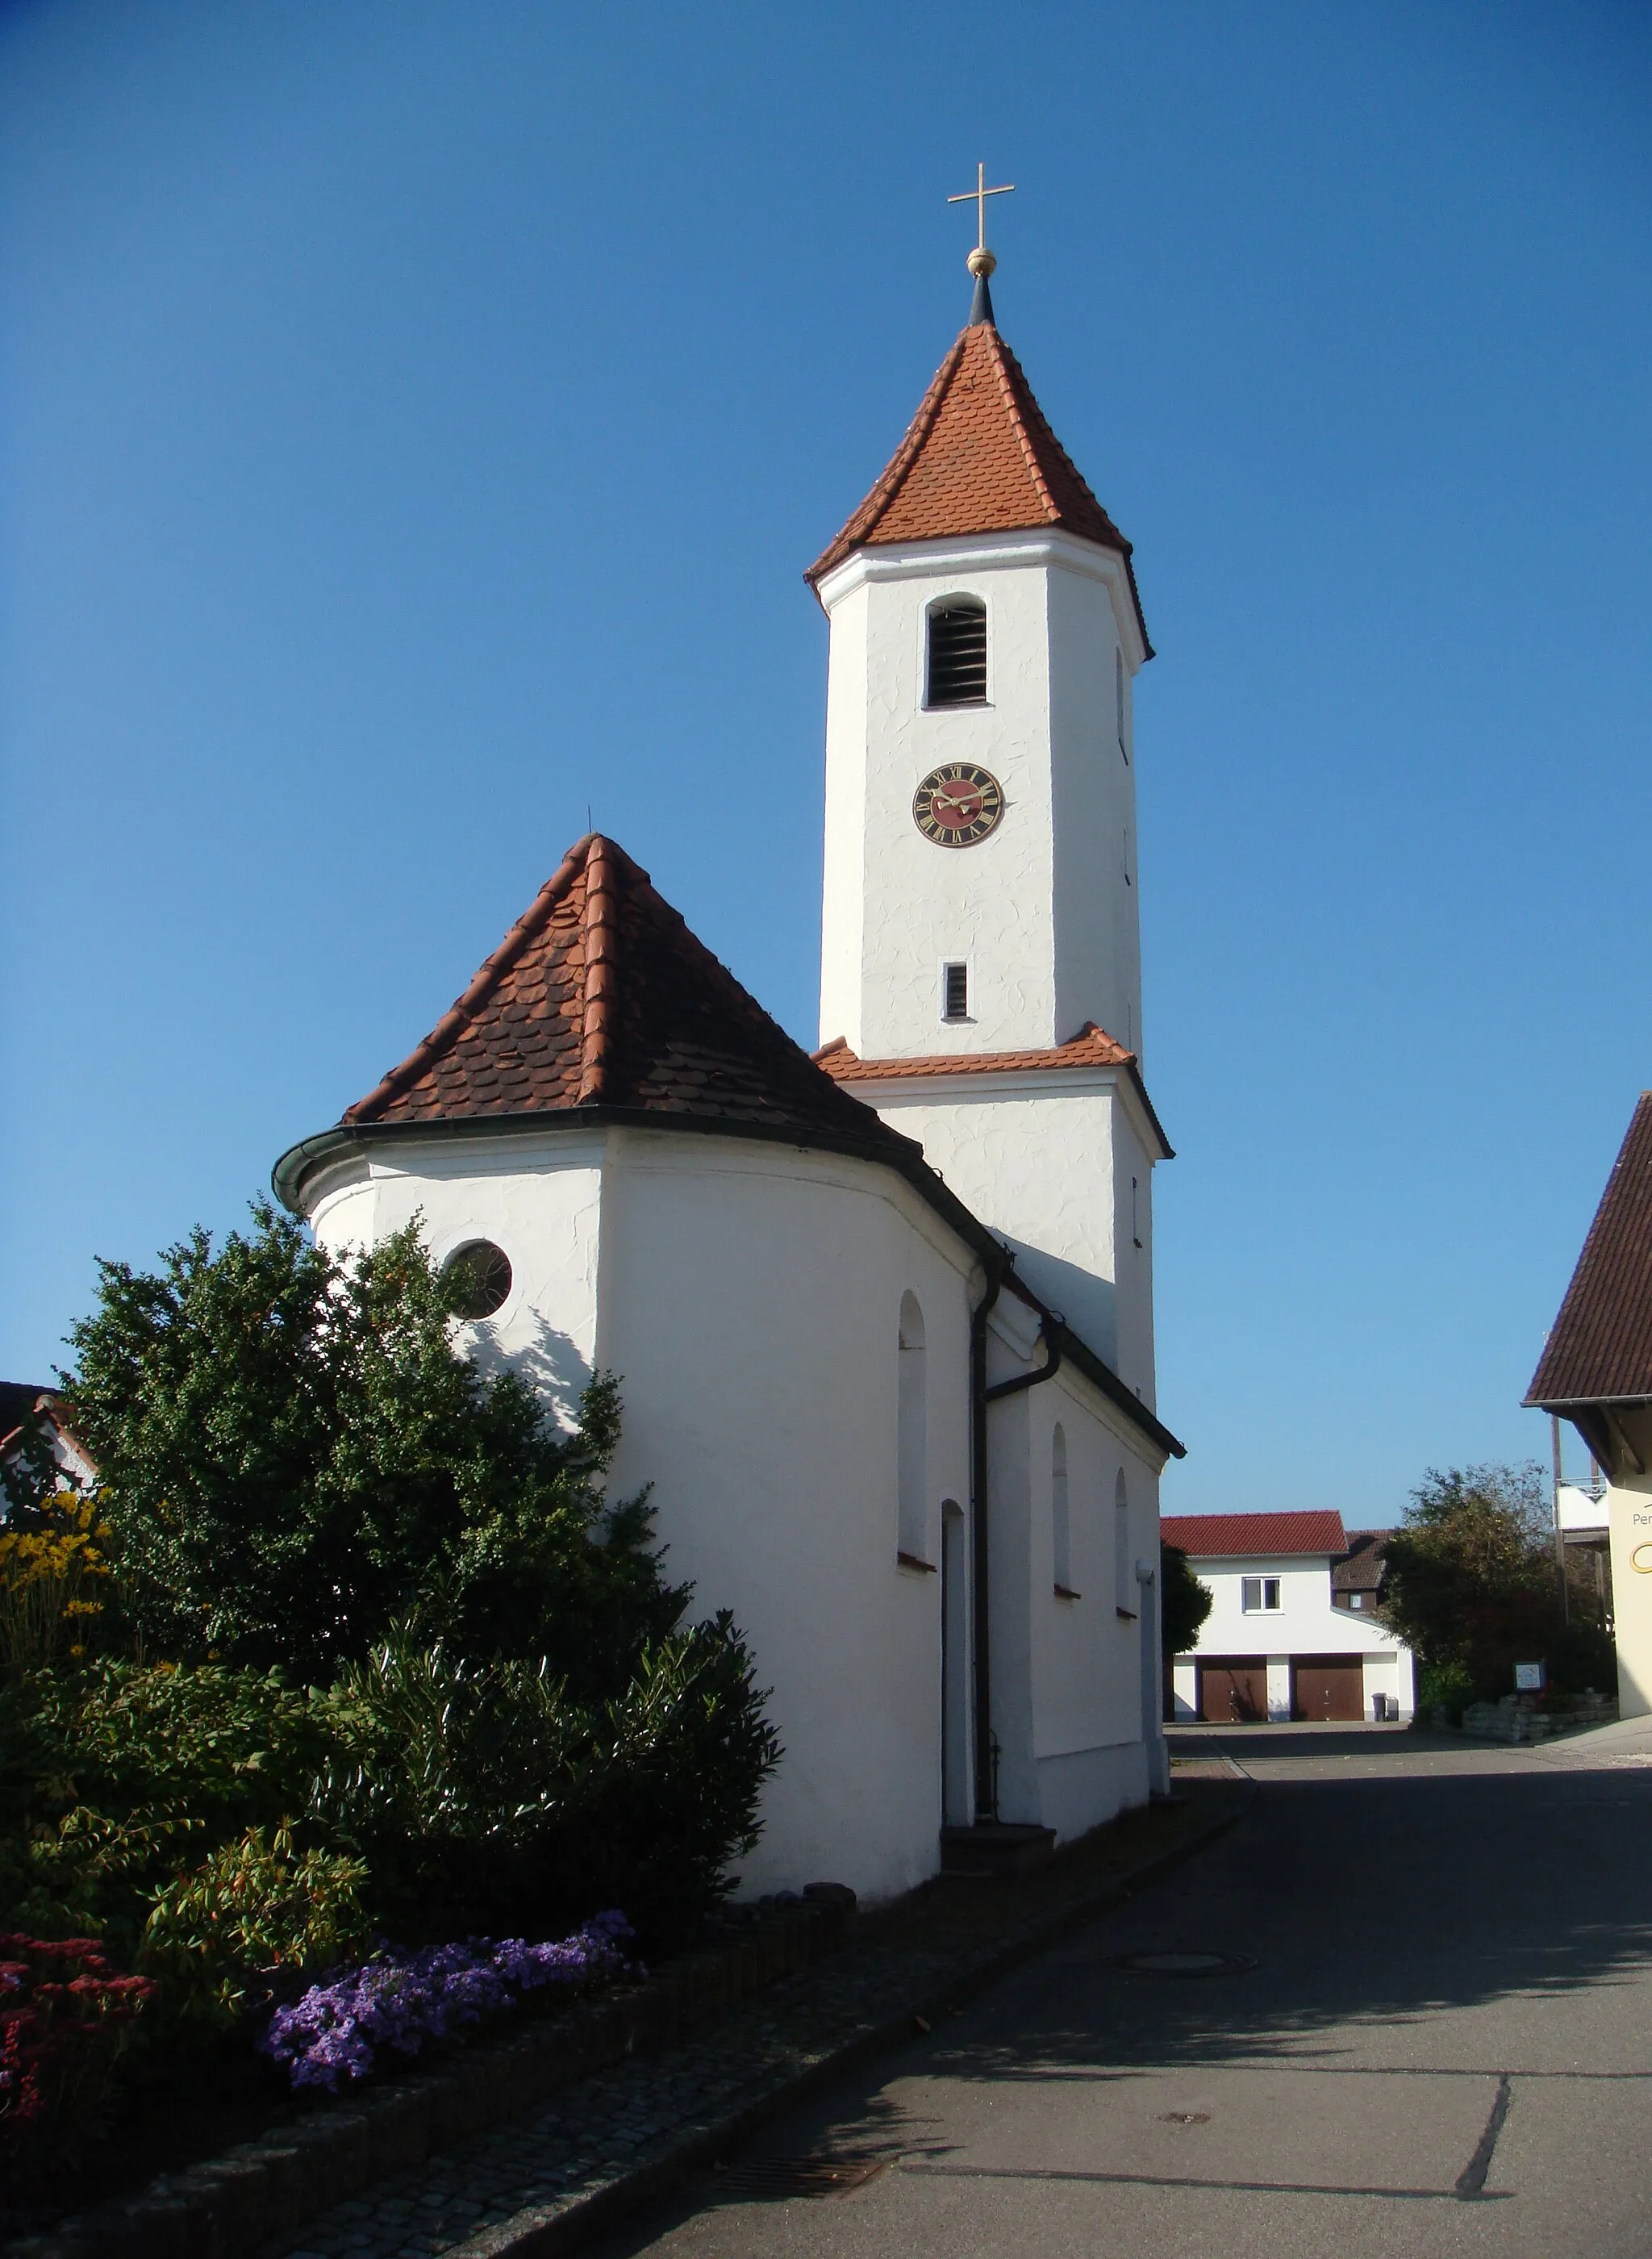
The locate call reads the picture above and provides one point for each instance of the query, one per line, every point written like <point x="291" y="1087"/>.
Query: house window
<point x="1060" y="1523"/>
<point x="956" y="674"/>
<point x="913" y="1437"/>
<point x="1259" y="1595"/>
<point x="482" y="1271"/>
<point x="955" y="992"/>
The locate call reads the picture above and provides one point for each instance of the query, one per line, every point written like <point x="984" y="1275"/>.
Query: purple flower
<point x="400" y="2000"/>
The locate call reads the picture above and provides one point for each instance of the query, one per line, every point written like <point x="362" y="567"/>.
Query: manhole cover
<point x="1186" y="1964"/>
<point x="778" y="2177"/>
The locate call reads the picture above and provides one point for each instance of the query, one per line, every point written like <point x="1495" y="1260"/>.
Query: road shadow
<point x="1363" y="1901"/>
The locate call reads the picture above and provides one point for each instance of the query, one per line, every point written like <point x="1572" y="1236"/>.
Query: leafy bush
<point x="379" y="1654"/>
<point x="115" y="1779"/>
<point x="65" y="2018"/>
<point x="1470" y="1581"/>
<point x="1448" y="1687"/>
<point x="1184" y="1602"/>
<point x="254" y="1905"/>
<point x="298" y="1456"/>
<point x="489" y="1794"/>
<point x="402" y="2000"/>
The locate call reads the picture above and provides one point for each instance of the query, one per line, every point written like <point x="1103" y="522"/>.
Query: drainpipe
<point x="981" y="1396"/>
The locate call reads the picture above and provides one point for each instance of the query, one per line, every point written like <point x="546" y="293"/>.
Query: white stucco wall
<point x="751" y="1298"/>
<point x="538" y="1196"/>
<point x="748" y="1297"/>
<point x="1040" y="909"/>
<point x="1305" y="1624"/>
<point x="1091" y="1735"/>
<point x="1047" y="1160"/>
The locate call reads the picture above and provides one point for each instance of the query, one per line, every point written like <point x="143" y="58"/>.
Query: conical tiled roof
<point x="600" y="995"/>
<point x="979" y="458"/>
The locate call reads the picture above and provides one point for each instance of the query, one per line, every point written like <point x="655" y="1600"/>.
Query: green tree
<point x="1184" y="1601"/>
<point x="1470" y="1581"/>
<point x="296" y="1458"/>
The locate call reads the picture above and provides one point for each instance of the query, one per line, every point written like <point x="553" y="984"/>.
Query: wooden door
<point x="1233" y="1689"/>
<point x="1327" y="1686"/>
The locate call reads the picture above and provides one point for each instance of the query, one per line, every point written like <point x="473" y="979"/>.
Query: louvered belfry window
<point x="957" y="654"/>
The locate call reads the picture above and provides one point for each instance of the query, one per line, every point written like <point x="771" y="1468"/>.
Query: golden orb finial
<point x="980" y="260"/>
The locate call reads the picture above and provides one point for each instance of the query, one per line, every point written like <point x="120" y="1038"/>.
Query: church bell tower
<point x="980" y="944"/>
<point x="980" y="794"/>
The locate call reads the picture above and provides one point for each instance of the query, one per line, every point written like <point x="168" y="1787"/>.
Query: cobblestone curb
<point x="550" y="2181"/>
<point x="229" y="2205"/>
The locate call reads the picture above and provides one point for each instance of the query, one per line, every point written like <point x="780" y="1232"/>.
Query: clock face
<point x="959" y="805"/>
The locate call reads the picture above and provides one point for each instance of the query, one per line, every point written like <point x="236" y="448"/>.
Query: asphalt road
<point x="1444" y="2044"/>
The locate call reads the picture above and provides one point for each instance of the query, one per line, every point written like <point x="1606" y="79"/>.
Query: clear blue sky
<point x="415" y="419"/>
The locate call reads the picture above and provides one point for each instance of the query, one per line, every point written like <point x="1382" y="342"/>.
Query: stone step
<point x="997" y="1849"/>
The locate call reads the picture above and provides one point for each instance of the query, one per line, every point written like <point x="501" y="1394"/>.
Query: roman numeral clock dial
<point x="959" y="805"/>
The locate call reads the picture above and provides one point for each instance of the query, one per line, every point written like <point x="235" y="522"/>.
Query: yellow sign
<point x="1642" y="1559"/>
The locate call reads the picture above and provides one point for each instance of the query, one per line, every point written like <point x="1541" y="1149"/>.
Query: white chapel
<point x="882" y="1317"/>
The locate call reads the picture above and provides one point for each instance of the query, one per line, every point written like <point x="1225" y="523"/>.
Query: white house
<point x="1290" y="1633"/>
<point x="829" y="1287"/>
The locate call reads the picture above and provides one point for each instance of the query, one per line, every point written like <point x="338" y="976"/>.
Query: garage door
<point x="1233" y="1689"/>
<point x="1327" y="1686"/>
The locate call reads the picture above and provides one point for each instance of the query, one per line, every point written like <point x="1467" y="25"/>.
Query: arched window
<point x="1123" y="1581"/>
<point x="913" y="1444"/>
<point x="1060" y="1524"/>
<point x="955" y="673"/>
<point x="1118" y="696"/>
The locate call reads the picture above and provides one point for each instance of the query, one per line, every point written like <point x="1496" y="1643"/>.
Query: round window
<point x="485" y="1281"/>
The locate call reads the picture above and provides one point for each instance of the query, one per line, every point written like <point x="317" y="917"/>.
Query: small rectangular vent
<point x="957" y="655"/>
<point x="955" y="997"/>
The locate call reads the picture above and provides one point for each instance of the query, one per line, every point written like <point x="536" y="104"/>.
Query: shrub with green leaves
<point x="1470" y="1584"/>
<point x="297" y="1456"/>
<point x="258" y="1904"/>
<point x="492" y="1797"/>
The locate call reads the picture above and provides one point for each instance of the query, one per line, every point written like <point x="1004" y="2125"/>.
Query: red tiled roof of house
<point x="979" y="457"/>
<point x="1212" y="1537"/>
<point x="600" y="995"/>
<point x="1601" y="1346"/>
<point x="1092" y="1046"/>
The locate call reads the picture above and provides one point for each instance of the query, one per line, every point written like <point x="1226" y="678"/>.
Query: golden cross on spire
<point x="980" y="258"/>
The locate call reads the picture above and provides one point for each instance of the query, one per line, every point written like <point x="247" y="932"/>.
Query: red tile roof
<point x="1601" y="1346"/>
<point x="1091" y="1047"/>
<point x="1211" y="1537"/>
<point x="979" y="458"/>
<point x="600" y="995"/>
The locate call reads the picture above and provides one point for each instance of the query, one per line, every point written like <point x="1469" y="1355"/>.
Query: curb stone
<point x="538" y="2231"/>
